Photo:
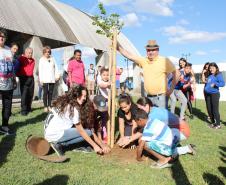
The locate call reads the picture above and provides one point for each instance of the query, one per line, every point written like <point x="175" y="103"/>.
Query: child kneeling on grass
<point x="71" y="121"/>
<point x="156" y="139"/>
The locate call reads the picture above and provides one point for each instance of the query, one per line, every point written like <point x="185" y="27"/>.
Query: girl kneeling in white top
<point x="69" y="122"/>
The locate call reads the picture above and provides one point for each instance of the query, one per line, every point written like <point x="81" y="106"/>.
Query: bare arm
<point x="104" y="84"/>
<point x="134" y="126"/>
<point x="140" y="149"/>
<point x="134" y="137"/>
<point x="85" y="136"/>
<point x="126" y="53"/>
<point x="105" y="148"/>
<point x="176" y="76"/>
<point x="121" y="127"/>
<point x="70" y="78"/>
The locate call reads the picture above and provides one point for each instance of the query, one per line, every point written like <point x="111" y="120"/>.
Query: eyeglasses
<point x="48" y="52"/>
<point x="148" y="50"/>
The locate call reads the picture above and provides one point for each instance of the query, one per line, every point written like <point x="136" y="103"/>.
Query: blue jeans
<point x="72" y="136"/>
<point x="180" y="136"/>
<point x="160" y="101"/>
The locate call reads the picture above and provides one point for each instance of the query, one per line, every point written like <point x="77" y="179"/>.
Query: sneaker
<point x="5" y="130"/>
<point x="193" y="151"/>
<point x="87" y="149"/>
<point x="217" y="127"/>
<point x="57" y="148"/>
<point x="211" y="125"/>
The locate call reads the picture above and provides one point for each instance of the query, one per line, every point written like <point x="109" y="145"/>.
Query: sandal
<point x="161" y="166"/>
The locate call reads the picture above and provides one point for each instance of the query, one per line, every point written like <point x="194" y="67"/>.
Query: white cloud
<point x="201" y="53"/>
<point x="215" y="51"/>
<point x="131" y="19"/>
<point x="113" y="2"/>
<point x="183" y="22"/>
<point x="179" y="34"/>
<point x="156" y="7"/>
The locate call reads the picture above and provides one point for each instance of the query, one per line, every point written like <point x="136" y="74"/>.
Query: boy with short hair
<point x="156" y="139"/>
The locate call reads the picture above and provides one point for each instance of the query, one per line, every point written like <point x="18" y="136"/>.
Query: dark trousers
<point x="187" y="95"/>
<point x="7" y="97"/>
<point x="212" y="101"/>
<point x="47" y="94"/>
<point x="205" y="97"/>
<point x="27" y="92"/>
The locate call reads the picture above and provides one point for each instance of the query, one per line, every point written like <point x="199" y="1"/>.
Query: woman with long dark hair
<point x="71" y="121"/>
<point x="125" y="116"/>
<point x="182" y="63"/>
<point x="205" y="74"/>
<point x="214" y="81"/>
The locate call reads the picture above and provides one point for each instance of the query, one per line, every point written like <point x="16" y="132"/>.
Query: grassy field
<point x="19" y="168"/>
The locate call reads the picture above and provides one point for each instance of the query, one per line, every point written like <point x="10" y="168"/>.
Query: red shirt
<point x="26" y="66"/>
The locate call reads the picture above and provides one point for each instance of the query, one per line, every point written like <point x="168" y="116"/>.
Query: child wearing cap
<point x="101" y="117"/>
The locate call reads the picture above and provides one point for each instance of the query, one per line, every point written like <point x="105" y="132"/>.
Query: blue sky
<point x="195" y="28"/>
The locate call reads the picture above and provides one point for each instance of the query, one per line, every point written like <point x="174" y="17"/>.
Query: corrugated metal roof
<point x="81" y="25"/>
<point x="31" y="17"/>
<point x="54" y="20"/>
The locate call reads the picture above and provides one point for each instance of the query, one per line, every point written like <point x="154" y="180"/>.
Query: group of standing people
<point x="23" y="67"/>
<point x="74" y="116"/>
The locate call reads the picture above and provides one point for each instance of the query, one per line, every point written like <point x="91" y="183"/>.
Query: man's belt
<point x="156" y="95"/>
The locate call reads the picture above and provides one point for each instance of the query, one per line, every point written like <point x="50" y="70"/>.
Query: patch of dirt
<point x="127" y="156"/>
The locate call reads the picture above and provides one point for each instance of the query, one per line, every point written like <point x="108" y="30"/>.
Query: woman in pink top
<point x="76" y="70"/>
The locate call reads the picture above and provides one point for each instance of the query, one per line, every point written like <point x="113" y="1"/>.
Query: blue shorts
<point x="160" y="147"/>
<point x="117" y="84"/>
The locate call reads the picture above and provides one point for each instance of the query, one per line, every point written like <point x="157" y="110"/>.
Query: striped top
<point x="157" y="130"/>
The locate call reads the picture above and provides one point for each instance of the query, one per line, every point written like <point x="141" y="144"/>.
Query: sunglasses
<point x="148" y="50"/>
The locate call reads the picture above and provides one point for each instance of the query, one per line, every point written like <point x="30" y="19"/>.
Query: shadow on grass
<point x="223" y="158"/>
<point x="179" y="174"/>
<point x="57" y="179"/>
<point x="8" y="142"/>
<point x="199" y="114"/>
<point x="212" y="179"/>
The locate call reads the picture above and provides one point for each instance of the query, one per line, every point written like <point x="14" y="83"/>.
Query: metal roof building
<point x="36" y="23"/>
<point x="56" y="23"/>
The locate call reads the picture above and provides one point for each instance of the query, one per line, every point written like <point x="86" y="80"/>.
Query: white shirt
<point x="103" y="91"/>
<point x="123" y="77"/>
<point x="48" y="70"/>
<point x="55" y="125"/>
<point x="91" y="74"/>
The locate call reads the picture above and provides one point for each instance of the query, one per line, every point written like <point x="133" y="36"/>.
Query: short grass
<point x="19" y="168"/>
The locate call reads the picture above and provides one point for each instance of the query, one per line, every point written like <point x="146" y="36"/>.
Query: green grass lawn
<point x="19" y="168"/>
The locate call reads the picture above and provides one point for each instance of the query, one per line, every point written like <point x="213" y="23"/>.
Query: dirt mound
<point x="127" y="156"/>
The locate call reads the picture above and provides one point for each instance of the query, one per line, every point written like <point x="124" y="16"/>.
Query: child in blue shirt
<point x="214" y="81"/>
